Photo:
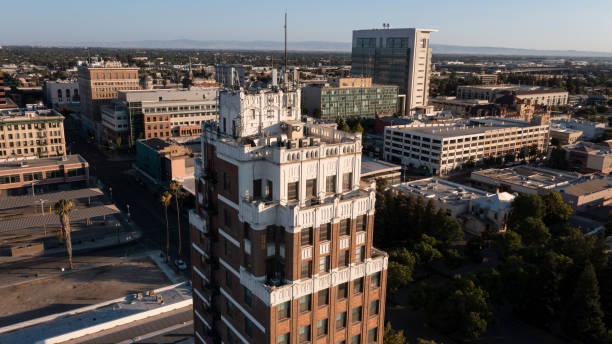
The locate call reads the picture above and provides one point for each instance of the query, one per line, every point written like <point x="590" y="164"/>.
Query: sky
<point x="531" y="24"/>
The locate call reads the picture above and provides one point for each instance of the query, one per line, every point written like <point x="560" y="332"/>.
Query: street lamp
<point x="128" y="209"/>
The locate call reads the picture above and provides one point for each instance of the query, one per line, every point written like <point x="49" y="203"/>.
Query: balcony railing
<point x="274" y="295"/>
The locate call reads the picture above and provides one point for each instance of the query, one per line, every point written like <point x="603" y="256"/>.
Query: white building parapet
<point x="273" y="296"/>
<point x="197" y="221"/>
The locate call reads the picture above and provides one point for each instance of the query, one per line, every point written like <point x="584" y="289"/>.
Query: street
<point x="125" y="189"/>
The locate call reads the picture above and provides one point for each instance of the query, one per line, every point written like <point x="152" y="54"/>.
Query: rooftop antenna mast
<point x="285" y="74"/>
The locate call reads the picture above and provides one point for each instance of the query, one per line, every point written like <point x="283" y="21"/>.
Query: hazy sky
<point x="536" y="24"/>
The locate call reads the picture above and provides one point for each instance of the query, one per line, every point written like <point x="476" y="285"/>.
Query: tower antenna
<point x="285" y="71"/>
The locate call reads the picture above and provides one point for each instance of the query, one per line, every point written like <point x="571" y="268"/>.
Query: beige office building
<point x="441" y="148"/>
<point x="31" y="132"/>
<point x="99" y="84"/>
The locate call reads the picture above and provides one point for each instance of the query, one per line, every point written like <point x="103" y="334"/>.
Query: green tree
<point x="392" y="336"/>
<point x="175" y="190"/>
<point x="426" y="250"/>
<point x="165" y="199"/>
<point x="457" y="306"/>
<point x="506" y="243"/>
<point x="558" y="159"/>
<point x="526" y="206"/>
<point x="63" y="207"/>
<point x="584" y="317"/>
<point x="358" y="128"/>
<point x="533" y="231"/>
<point x="557" y="211"/>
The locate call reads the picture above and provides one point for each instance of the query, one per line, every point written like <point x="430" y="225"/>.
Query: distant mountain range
<point x="316" y="46"/>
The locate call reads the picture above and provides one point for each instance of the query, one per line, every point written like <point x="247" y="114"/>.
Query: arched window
<point x="67" y="93"/>
<point x="59" y="93"/>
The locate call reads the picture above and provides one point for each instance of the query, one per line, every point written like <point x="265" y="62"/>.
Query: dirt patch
<point x="78" y="289"/>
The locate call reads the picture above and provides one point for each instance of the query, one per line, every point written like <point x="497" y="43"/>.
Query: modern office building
<point x="99" y="84"/>
<point x="590" y="157"/>
<point x="523" y="179"/>
<point x="349" y="97"/>
<point x="161" y="113"/>
<point x="61" y="93"/>
<point x="282" y="230"/>
<point x="565" y="136"/>
<point x="537" y="94"/>
<point x="34" y="131"/>
<point x="590" y="130"/>
<point x="41" y="175"/>
<point x="400" y="57"/>
<point x="441" y="148"/>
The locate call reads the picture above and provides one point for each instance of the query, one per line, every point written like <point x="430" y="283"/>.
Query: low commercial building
<point x="58" y="94"/>
<point x="538" y="95"/>
<point x="591" y="192"/>
<point x="454" y="199"/>
<point x="372" y="169"/>
<point x="163" y="161"/>
<point x="441" y="148"/>
<point x="523" y="179"/>
<point x="591" y="157"/>
<point x="565" y="136"/>
<point x="40" y="175"/>
<point x="161" y="113"/>
<point x="461" y="107"/>
<point x="476" y="209"/>
<point x="590" y="130"/>
<point x="33" y="131"/>
<point x="349" y="97"/>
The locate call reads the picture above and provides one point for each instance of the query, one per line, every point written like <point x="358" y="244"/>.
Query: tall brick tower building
<point x="282" y="230"/>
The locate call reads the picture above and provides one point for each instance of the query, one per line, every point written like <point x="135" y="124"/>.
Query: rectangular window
<point x="359" y="254"/>
<point x="228" y="279"/>
<point x="358" y="286"/>
<point x="347" y="181"/>
<point x="373" y="335"/>
<point x="306" y="237"/>
<point x="361" y="223"/>
<point x="283" y="338"/>
<point x="325" y="232"/>
<point x="345" y="227"/>
<point x="356" y="314"/>
<point x="305" y="334"/>
<point x="306" y="269"/>
<point x="375" y="280"/>
<point x="330" y="184"/>
<point x="324" y="264"/>
<point x="230" y="308"/>
<point x="257" y="188"/>
<point x="248" y="327"/>
<point x="304" y="303"/>
<point x="292" y="191"/>
<point x="283" y="310"/>
<point x="248" y="297"/>
<point x="323" y="297"/>
<point x="268" y="192"/>
<point x="373" y="308"/>
<point x="342" y="290"/>
<point x="341" y="321"/>
<point x="321" y="328"/>
<point x="226" y="182"/>
<point x="311" y="188"/>
<point x="343" y="258"/>
<point x="356" y="339"/>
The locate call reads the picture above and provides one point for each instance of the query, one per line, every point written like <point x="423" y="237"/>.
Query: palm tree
<point x="165" y="199"/>
<point x="63" y="207"/>
<point x="175" y="188"/>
